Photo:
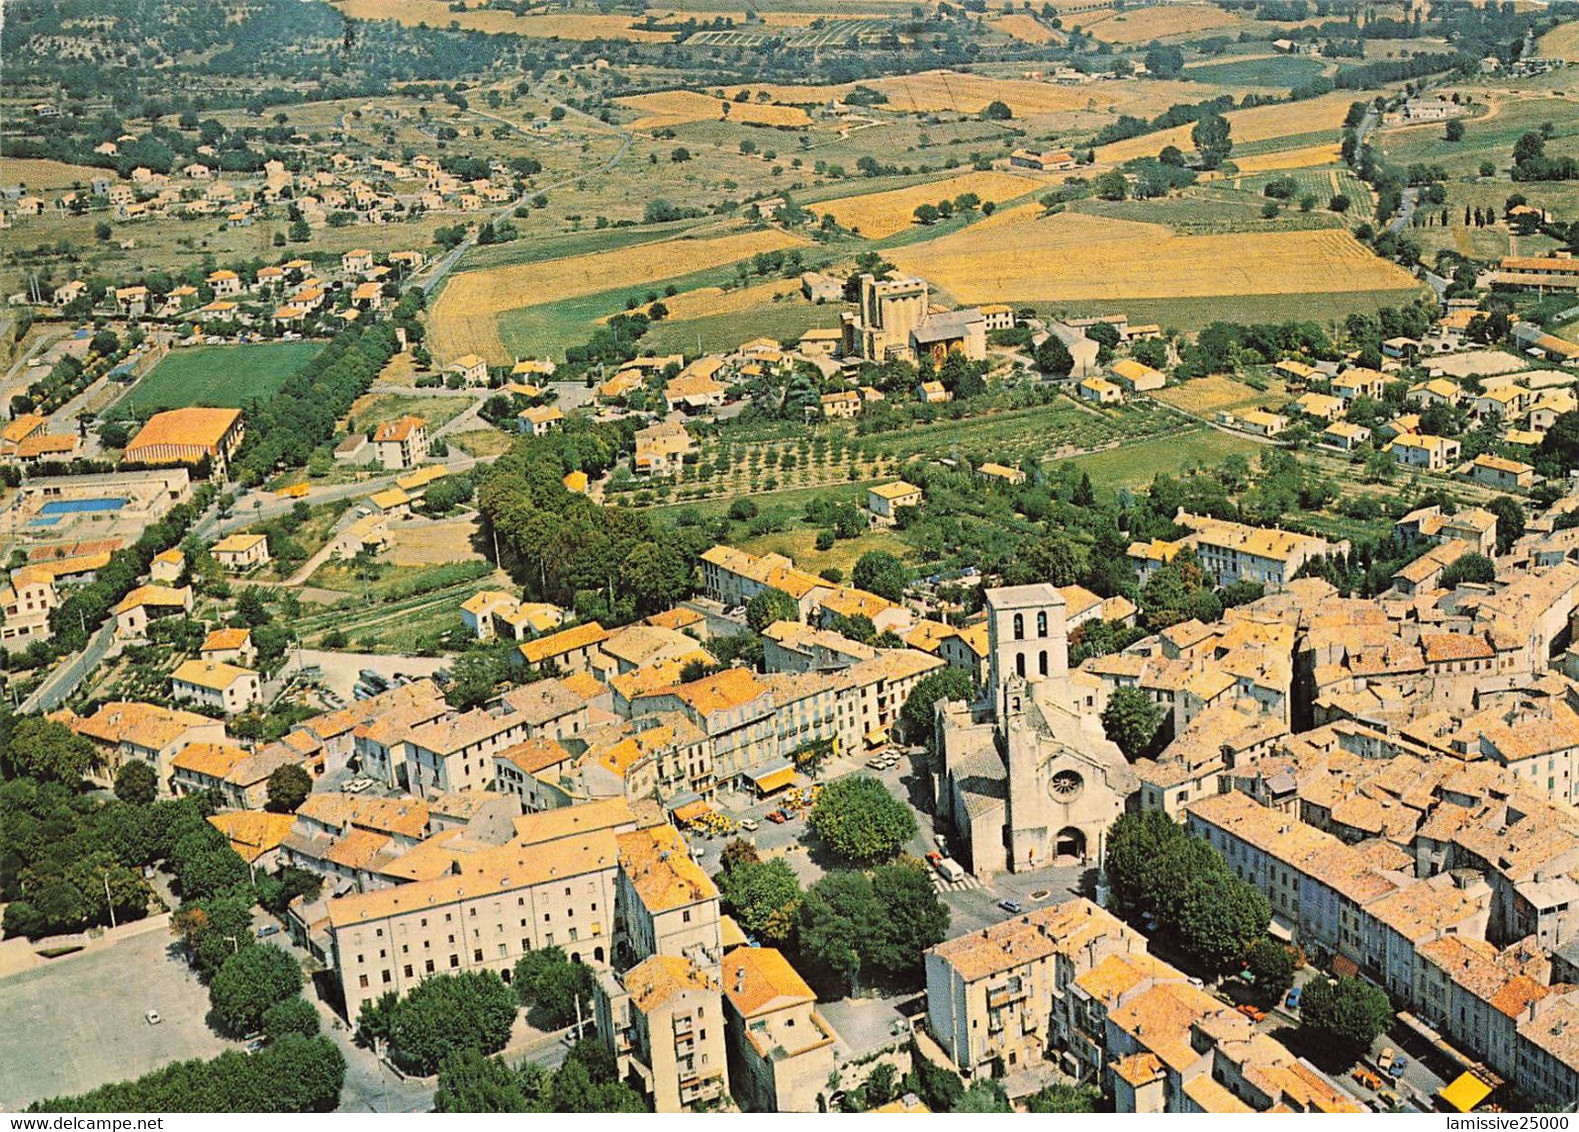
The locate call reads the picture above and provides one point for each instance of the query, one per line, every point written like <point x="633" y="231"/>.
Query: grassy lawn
<point x="565" y="244"/>
<point x="794" y="499"/>
<point x="800" y="545"/>
<point x="223" y="376"/>
<point x="784" y="321"/>
<point x="1136" y="465"/>
<point x="376" y="408"/>
<point x="483" y="443"/>
<point x="1285" y="71"/>
<point x="1007" y="436"/>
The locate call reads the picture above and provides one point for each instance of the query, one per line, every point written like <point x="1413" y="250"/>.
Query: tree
<point x="910" y="918"/>
<point x="1111" y="185"/>
<point x="926" y="214"/>
<point x="136" y="783"/>
<point x="1210" y="136"/>
<point x="1347" y="1012"/>
<point x="474" y="1010"/>
<point x="738" y="852"/>
<point x="1064" y="1098"/>
<point x="48" y="751"/>
<point x="764" y="897"/>
<point x="881" y="573"/>
<point x="253" y="979"/>
<point x="984" y="1095"/>
<point x="1132" y="721"/>
<point x="1054" y="358"/>
<point x="1162" y="875"/>
<point x="944" y="684"/>
<point x="770" y="605"/>
<point x="860" y="821"/>
<point x="288" y="787"/>
<point x="1470" y="567"/>
<point x="1454" y="131"/>
<point x="1510" y="521"/>
<point x="1272" y="968"/>
<point x="1339" y="203"/>
<point x="471" y="1081"/>
<point x="996" y="111"/>
<point x="546" y="980"/>
<point x="293" y="1016"/>
<point x="834" y="925"/>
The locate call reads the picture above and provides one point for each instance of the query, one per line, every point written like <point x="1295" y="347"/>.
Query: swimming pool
<point x="80" y="506"/>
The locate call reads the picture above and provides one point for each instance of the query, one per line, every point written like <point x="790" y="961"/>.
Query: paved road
<point x="62" y="682"/>
<point x="1406" y="211"/>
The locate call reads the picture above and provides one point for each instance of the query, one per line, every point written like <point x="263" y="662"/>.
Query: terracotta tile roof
<point x="759" y="980"/>
<point x="213" y="760"/>
<point x="660" y="868"/>
<point x="565" y="641"/>
<point x="190" y="427"/>
<point x="656" y="981"/>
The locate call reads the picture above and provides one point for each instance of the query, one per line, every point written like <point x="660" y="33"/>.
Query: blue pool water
<point x="77" y="506"/>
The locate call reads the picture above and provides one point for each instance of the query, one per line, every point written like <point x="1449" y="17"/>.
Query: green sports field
<point x="222" y="376"/>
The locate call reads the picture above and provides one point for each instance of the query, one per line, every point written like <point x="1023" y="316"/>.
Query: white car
<point x="153" y="1018"/>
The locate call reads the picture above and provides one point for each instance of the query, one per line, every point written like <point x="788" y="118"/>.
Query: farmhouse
<point x="1101" y="391"/>
<point x="539" y="420"/>
<point x="1318" y="405"/>
<point x="240" y="553"/>
<point x="1556" y="272"/>
<point x="693" y="393"/>
<point x="842" y="405"/>
<point x="1344" y="436"/>
<point x="1494" y="471"/>
<point x="188" y="436"/>
<point x="146" y="604"/>
<point x="885" y="500"/>
<point x="1135" y="377"/>
<point x="661" y="449"/>
<point x="1358" y="382"/>
<point x="471" y="369"/>
<point x="998" y="473"/>
<point x="215" y="684"/>
<point x="401" y="443"/>
<point x="226" y="645"/>
<point x="933" y="393"/>
<point x="1433" y="453"/>
<point x="1257" y="422"/>
<point x="1437" y="391"/>
<point x="1044" y="162"/>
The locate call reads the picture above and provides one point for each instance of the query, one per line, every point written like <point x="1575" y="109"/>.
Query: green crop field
<point x="1136" y="465"/>
<point x="1284" y="72"/>
<point x="222" y="376"/>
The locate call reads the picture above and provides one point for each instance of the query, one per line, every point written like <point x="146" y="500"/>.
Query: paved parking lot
<point x="78" y="1022"/>
<point x="973" y="904"/>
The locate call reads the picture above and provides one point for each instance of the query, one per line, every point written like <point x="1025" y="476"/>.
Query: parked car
<point x="748" y="824"/>
<point x="267" y="930"/>
<point x="255" y="1045"/>
<point x="1364" y="1076"/>
<point x="934" y="858"/>
<point x="1254" y="1013"/>
<point x="1397" y="1067"/>
<point x="1385" y="1060"/>
<point x="153" y="1017"/>
<point x="777" y="817"/>
<point x="1292" y="1001"/>
<point x="941" y="840"/>
<point x="1011" y="906"/>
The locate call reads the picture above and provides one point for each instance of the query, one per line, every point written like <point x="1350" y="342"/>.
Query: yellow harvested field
<point x="556" y="25"/>
<point x="1025" y="27"/>
<point x="1209" y="394"/>
<point x="677" y="107"/>
<point x="463" y="320"/>
<point x="1020" y="255"/>
<point x="1259" y="123"/>
<point x="875" y="215"/>
<point x="1142" y="25"/>
<point x="952" y="91"/>
<point x="38" y="174"/>
<point x="1306" y="158"/>
<point x="706" y="301"/>
<point x="1562" y="42"/>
